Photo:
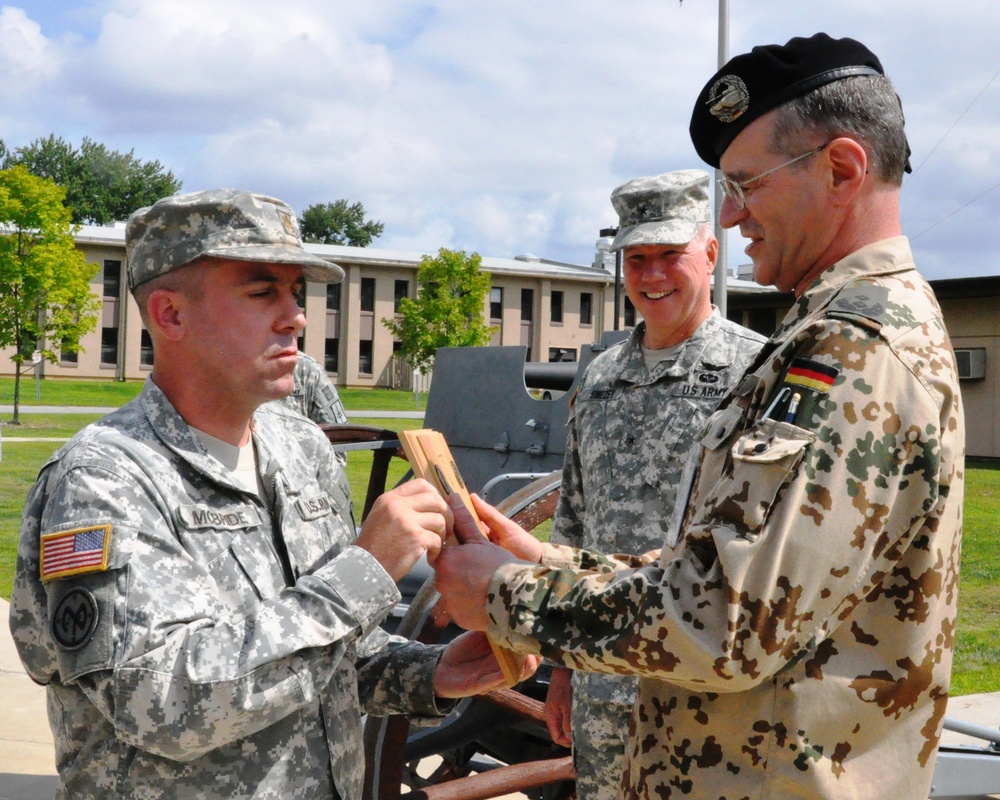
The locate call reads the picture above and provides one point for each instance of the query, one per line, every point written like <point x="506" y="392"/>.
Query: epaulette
<point x="862" y="303"/>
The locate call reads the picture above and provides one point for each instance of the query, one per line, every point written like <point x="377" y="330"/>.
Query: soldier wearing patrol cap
<point x="632" y="423"/>
<point x="190" y="586"/>
<point x="794" y="634"/>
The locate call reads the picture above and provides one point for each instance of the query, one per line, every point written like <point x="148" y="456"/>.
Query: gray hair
<point x="865" y="108"/>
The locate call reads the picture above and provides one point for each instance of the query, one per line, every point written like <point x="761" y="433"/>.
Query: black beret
<point x="752" y="84"/>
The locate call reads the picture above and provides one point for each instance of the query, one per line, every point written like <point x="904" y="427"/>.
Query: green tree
<point x="339" y="223"/>
<point x="45" y="298"/>
<point x="101" y="185"/>
<point x="448" y="309"/>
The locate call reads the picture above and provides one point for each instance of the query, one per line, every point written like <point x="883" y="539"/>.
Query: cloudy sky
<point x="499" y="127"/>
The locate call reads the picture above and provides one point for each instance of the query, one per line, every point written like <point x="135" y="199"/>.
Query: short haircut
<point x="864" y="108"/>
<point x="183" y="279"/>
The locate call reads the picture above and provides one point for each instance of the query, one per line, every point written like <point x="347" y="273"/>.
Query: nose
<point x="729" y="215"/>
<point x="294" y="316"/>
<point x="658" y="267"/>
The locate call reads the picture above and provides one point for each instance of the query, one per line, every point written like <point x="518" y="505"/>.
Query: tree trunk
<point x="17" y="394"/>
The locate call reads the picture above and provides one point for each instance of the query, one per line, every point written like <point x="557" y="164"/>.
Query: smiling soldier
<point x="632" y="424"/>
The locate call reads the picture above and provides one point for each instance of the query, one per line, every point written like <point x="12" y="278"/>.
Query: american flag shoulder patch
<point x="75" y="552"/>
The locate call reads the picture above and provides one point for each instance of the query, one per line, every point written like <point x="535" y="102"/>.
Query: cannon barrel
<point x="550" y="375"/>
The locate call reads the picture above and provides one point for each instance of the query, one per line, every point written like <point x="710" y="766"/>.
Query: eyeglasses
<point x="737" y="192"/>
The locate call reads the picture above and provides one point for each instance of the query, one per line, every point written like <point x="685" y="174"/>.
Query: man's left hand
<point x="462" y="573"/>
<point x="469" y="667"/>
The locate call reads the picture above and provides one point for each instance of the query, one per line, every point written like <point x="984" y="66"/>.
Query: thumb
<point x="466" y="527"/>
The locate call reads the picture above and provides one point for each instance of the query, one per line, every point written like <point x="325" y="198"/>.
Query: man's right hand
<point x="558" y="704"/>
<point x="405" y="523"/>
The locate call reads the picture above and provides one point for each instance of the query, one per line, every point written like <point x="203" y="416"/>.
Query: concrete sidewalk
<point x="27" y="764"/>
<point x="27" y="760"/>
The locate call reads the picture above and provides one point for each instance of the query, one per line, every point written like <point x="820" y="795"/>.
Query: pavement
<point x="27" y="763"/>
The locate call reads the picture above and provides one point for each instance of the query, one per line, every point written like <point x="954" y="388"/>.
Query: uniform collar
<point x="885" y="257"/>
<point x="693" y="350"/>
<point x="177" y="435"/>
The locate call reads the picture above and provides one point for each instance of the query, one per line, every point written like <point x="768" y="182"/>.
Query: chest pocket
<point x="635" y="436"/>
<point x="751" y="471"/>
<point x="234" y="544"/>
<point x="316" y="525"/>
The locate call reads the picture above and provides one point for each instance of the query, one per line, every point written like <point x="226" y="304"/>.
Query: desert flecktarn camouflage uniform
<point x="794" y="637"/>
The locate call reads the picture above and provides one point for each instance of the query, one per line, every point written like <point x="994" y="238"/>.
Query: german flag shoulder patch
<point x="811" y="374"/>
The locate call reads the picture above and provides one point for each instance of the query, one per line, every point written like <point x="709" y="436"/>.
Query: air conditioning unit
<point x="971" y="363"/>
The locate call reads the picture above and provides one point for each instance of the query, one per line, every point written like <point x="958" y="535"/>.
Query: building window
<point x="496" y="304"/>
<point x="365" y="364"/>
<point x="109" y="347"/>
<point x="68" y="354"/>
<point x="145" y="349"/>
<point x="112" y="291"/>
<point x="333" y="297"/>
<point x="331" y="356"/>
<point x="629" y="313"/>
<point x="367" y="294"/>
<point x="112" y="278"/>
<point x="527" y="304"/>
<point x="586" y="308"/>
<point x="331" y="352"/>
<point x="400" y="291"/>
<point x="557" y="308"/>
<point x="562" y="354"/>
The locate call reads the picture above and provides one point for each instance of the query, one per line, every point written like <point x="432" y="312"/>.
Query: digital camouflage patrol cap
<point x="663" y="209"/>
<point x="751" y="84"/>
<point x="227" y="223"/>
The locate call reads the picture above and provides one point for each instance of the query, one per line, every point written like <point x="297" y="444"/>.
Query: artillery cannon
<point x="509" y="447"/>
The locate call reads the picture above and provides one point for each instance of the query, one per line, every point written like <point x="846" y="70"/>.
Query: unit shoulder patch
<point x="75" y="619"/>
<point x="862" y="303"/>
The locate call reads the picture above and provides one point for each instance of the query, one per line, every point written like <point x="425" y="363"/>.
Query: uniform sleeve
<point x="397" y="677"/>
<point x="791" y="528"/>
<point x="322" y="401"/>
<point x="168" y="662"/>
<point x="568" y="521"/>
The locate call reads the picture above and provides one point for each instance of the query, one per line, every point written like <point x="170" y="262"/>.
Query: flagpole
<point x="722" y="266"/>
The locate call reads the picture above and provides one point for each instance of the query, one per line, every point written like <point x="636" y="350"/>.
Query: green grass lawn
<point x="977" y="645"/>
<point x="55" y="392"/>
<point x="977" y="648"/>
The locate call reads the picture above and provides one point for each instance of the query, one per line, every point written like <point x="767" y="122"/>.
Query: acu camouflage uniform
<point x="794" y="637"/>
<point x="630" y="431"/>
<point x="228" y="644"/>
<point x="314" y="396"/>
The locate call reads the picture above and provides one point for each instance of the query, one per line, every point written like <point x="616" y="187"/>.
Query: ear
<point x="166" y="313"/>
<point x="712" y="253"/>
<point x="848" y="167"/>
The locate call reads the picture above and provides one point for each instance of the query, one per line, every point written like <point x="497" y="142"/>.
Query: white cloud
<point x="499" y="127"/>
<point x="28" y="62"/>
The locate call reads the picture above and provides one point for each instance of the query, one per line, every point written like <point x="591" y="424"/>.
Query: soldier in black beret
<point x="793" y="636"/>
<point x="764" y="116"/>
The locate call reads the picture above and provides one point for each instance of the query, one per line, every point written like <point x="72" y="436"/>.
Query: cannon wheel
<point x="425" y="621"/>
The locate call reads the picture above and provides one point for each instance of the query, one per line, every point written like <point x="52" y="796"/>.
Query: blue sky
<point x="499" y="127"/>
